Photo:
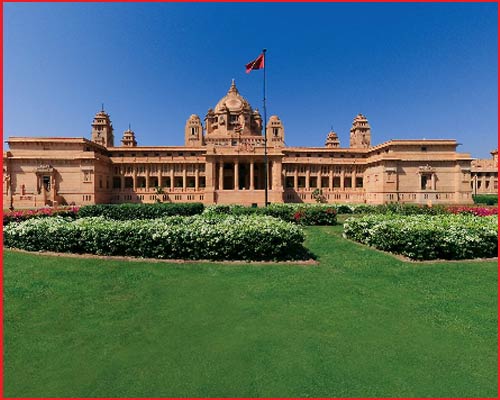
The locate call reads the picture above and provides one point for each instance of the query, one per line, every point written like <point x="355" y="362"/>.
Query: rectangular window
<point x="46" y="182"/>
<point x="129" y="183"/>
<point x="87" y="176"/>
<point x="423" y="182"/>
<point x="117" y="182"/>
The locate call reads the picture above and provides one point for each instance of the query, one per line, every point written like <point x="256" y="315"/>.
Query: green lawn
<point x="359" y="324"/>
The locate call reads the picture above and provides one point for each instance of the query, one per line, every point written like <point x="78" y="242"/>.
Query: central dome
<point x="232" y="101"/>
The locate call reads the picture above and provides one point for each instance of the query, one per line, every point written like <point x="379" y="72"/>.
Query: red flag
<point x="258" y="63"/>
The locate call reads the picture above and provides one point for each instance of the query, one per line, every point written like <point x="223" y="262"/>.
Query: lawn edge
<point x="308" y="262"/>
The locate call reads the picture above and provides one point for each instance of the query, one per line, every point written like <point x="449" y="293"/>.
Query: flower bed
<point x="22" y="215"/>
<point x="428" y="237"/>
<point x="197" y="237"/>
<point x="478" y="211"/>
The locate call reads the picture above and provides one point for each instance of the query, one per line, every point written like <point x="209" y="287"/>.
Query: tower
<point x="102" y="129"/>
<point x="360" y="133"/>
<point x="275" y="132"/>
<point x="332" y="140"/>
<point x="193" y="132"/>
<point x="128" y="139"/>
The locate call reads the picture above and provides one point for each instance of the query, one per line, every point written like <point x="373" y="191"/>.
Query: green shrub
<point x="127" y="211"/>
<point x="211" y="237"/>
<point x="303" y="214"/>
<point x="398" y="208"/>
<point x="488" y="199"/>
<point x="344" y="209"/>
<point x="427" y="237"/>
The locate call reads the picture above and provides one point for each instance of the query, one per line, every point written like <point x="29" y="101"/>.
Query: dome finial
<point x="233" y="87"/>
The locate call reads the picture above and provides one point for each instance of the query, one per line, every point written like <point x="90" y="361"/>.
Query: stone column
<point x="433" y="181"/>
<point x="308" y="175"/>
<point x="221" y="175"/>
<point x="342" y="177"/>
<point x="318" y="179"/>
<point x="209" y="174"/>
<point x="171" y="177"/>
<point x="236" y="175"/>
<point x="353" y="178"/>
<point x="270" y="173"/>
<point x="277" y="175"/>
<point x="134" y="179"/>
<point x="330" y="178"/>
<point x="184" y="177"/>
<point x="147" y="177"/>
<point x="252" y="187"/>
<point x="296" y="177"/>
<point x="196" y="177"/>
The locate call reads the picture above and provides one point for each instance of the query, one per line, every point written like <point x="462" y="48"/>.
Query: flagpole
<point x="266" y="168"/>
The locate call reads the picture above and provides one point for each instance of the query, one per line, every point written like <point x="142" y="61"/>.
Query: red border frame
<point x="226" y="1"/>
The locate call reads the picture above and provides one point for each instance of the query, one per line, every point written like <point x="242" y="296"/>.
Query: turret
<point x="360" y="133"/>
<point x="128" y="139"/>
<point x="193" y="132"/>
<point x="332" y="140"/>
<point x="275" y="132"/>
<point x="102" y="129"/>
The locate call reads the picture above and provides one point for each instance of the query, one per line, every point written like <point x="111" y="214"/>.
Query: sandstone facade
<point x="223" y="162"/>
<point x="484" y="175"/>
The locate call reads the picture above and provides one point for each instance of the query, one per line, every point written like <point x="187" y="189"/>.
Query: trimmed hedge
<point x="310" y="214"/>
<point x="488" y="199"/>
<point x="427" y="237"/>
<point x="128" y="211"/>
<point x="197" y="237"/>
<point x="396" y="208"/>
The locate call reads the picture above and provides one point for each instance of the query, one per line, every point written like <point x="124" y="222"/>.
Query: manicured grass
<point x="359" y="324"/>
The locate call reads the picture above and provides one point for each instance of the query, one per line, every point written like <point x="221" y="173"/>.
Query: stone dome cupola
<point x="332" y="140"/>
<point x="128" y="139"/>
<point x="233" y="116"/>
<point x="233" y="101"/>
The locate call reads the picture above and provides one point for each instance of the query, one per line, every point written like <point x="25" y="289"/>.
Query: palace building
<point x="484" y="179"/>
<point x="223" y="162"/>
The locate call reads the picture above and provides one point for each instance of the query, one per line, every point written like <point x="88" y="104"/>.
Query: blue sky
<point x="415" y="70"/>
